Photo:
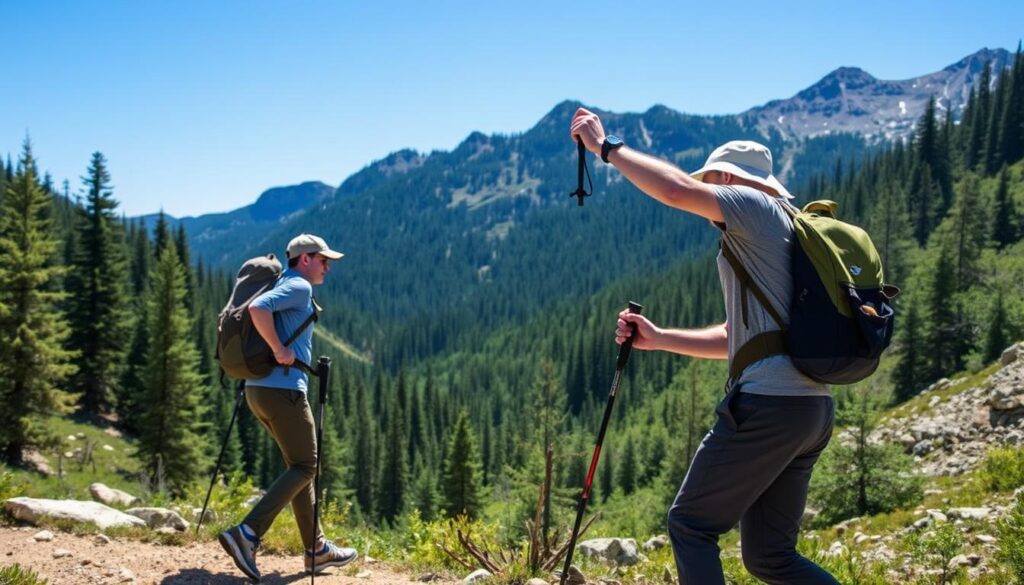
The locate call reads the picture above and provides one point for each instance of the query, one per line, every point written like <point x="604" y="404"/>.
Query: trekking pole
<point x="323" y="372"/>
<point x="620" y="365"/>
<point x="223" y="447"/>
<point x="581" y="168"/>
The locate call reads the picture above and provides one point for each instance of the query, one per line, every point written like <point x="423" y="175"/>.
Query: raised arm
<point x="655" y="177"/>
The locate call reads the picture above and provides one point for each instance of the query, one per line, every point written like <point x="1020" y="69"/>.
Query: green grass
<point x="17" y="575"/>
<point x="117" y="468"/>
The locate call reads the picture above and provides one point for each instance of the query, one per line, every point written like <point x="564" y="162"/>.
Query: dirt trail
<point x="130" y="561"/>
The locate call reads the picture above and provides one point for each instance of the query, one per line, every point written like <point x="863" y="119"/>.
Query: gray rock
<point x="478" y="576"/>
<point x="160" y="518"/>
<point x="536" y="581"/>
<point x="101" y="539"/>
<point x="43" y="536"/>
<point x="32" y="510"/>
<point x="621" y="551"/>
<point x="970" y="513"/>
<point x="111" y="496"/>
<point x="656" y="542"/>
<point x="35" y="461"/>
<point x="1009" y="355"/>
<point x="923" y="448"/>
<point x="60" y="553"/>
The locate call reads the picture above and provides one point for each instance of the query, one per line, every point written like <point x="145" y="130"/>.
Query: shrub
<point x="17" y="575"/>
<point x="1011" y="540"/>
<point x="937" y="547"/>
<point x="1003" y="468"/>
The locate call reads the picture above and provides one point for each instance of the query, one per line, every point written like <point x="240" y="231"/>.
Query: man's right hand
<point x="586" y="126"/>
<point x="284" y="356"/>
<point x="644" y="336"/>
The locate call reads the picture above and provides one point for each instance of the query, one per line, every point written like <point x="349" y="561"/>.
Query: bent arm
<point x="709" y="343"/>
<point x="263" y="320"/>
<point x="667" y="183"/>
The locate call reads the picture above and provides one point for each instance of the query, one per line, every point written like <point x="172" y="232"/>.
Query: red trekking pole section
<point x="620" y="365"/>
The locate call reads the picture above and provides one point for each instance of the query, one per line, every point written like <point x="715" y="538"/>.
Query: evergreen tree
<point x="909" y="375"/>
<point x="365" y="475"/>
<point x="461" y="483"/>
<point x="977" y="118"/>
<point x="1005" y="220"/>
<point x="996" y="339"/>
<point x="161" y="234"/>
<point x="628" y="468"/>
<point x="944" y="338"/>
<point x="863" y="478"/>
<point x="965" y="232"/>
<point x="170" y="437"/>
<point x="33" y="361"/>
<point x="98" y="308"/>
<point x="394" y="471"/>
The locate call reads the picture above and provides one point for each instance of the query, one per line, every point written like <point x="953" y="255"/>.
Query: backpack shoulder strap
<point x="748" y="281"/>
<point x="309" y="321"/>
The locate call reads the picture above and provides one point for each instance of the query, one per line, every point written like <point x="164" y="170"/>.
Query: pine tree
<point x="909" y="374"/>
<point x="170" y="437"/>
<point x="98" y="308"/>
<point x="394" y="471"/>
<point x="33" y="361"/>
<point x="944" y="339"/>
<point x="460" y="484"/>
<point x="1004" y="219"/>
<point x="996" y="339"/>
<point x="365" y="454"/>
<point x="628" y="471"/>
<point x="965" y="232"/>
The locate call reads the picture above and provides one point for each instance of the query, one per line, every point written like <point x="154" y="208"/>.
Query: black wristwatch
<point x="610" y="143"/>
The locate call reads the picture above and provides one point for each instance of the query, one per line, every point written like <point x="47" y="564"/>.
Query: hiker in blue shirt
<point x="279" y="402"/>
<point x="753" y="468"/>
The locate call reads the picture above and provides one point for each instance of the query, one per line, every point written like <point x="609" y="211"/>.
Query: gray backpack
<point x="241" y="351"/>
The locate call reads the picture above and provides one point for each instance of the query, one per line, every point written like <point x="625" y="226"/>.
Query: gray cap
<point x="310" y="244"/>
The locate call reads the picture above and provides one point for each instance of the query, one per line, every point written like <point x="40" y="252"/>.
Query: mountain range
<point x="488" y="229"/>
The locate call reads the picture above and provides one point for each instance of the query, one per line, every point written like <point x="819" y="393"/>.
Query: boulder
<point x="478" y="576"/>
<point x="970" y="513"/>
<point x="111" y="496"/>
<point x="1009" y="355"/>
<point x="621" y="551"/>
<point x="160" y="518"/>
<point x="656" y="542"/>
<point x="32" y="510"/>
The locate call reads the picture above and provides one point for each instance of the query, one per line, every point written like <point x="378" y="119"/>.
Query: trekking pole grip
<point x="323" y="371"/>
<point x="627" y="345"/>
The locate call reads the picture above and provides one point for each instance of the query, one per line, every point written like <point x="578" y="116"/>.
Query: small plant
<point x="17" y="575"/>
<point x="1011" y="540"/>
<point x="939" y="546"/>
<point x="1003" y="469"/>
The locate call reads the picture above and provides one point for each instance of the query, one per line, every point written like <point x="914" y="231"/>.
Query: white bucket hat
<point x="746" y="159"/>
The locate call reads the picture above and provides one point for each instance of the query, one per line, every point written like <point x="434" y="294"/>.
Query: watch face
<point x="613" y="140"/>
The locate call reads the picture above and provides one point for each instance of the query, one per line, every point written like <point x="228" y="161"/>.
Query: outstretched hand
<point x="586" y="126"/>
<point x="645" y="335"/>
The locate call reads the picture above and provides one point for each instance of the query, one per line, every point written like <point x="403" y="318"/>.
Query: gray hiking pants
<point x="753" y="468"/>
<point x="286" y="414"/>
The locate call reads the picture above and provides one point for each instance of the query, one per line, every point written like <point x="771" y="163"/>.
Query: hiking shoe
<point x="330" y="555"/>
<point x="241" y="543"/>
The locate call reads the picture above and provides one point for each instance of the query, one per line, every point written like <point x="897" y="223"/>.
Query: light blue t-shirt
<point x="760" y="233"/>
<point x="291" y="302"/>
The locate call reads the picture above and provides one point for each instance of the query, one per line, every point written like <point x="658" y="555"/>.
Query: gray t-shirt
<point x="760" y="233"/>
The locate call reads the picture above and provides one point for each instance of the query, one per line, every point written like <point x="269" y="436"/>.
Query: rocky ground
<point x="68" y="559"/>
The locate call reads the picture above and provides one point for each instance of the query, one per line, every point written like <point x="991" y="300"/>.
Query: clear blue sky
<point x="200" y="106"/>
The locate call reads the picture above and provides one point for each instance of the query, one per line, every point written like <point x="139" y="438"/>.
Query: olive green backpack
<point x="840" y="316"/>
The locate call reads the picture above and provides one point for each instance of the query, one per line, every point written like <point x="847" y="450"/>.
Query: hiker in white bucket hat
<point x="754" y="467"/>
